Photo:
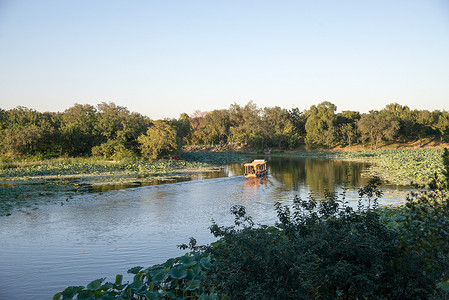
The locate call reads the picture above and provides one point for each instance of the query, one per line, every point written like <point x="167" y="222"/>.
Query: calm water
<point x="103" y="234"/>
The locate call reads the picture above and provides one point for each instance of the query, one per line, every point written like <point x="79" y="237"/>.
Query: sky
<point x="166" y="57"/>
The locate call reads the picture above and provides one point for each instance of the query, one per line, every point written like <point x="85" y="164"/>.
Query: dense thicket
<point x="113" y="132"/>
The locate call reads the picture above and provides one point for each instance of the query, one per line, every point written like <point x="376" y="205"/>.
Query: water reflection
<point x="102" y="234"/>
<point x="319" y="175"/>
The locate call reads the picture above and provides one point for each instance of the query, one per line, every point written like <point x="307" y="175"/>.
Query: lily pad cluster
<point x="177" y="278"/>
<point x="400" y="166"/>
<point x="76" y="166"/>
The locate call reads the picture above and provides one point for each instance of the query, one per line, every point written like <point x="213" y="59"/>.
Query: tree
<point x="443" y="125"/>
<point x="112" y="149"/>
<point x="110" y="118"/>
<point x="246" y="125"/>
<point x="27" y="132"/>
<point x="377" y="126"/>
<point x="183" y="128"/>
<point x="426" y="122"/>
<point x="274" y="121"/>
<point x="406" y="120"/>
<point x="347" y="126"/>
<point x="132" y="125"/>
<point x="216" y="126"/>
<point x="160" y="139"/>
<point x="320" y="125"/>
<point x="84" y="127"/>
<point x="78" y="129"/>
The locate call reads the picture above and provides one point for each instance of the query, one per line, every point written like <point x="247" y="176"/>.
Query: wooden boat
<point x="257" y="168"/>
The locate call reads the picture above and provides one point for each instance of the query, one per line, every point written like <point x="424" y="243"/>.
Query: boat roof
<point x="256" y="162"/>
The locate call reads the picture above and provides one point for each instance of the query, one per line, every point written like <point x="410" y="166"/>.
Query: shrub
<point x="112" y="149"/>
<point x="317" y="250"/>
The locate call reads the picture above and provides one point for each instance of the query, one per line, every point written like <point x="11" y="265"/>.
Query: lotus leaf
<point x="193" y="285"/>
<point x="158" y="275"/>
<point x="205" y="262"/>
<point x="70" y="291"/>
<point x="187" y="261"/>
<point x="134" y="270"/>
<point x="177" y="273"/>
<point x="170" y="262"/>
<point x="96" y="284"/>
<point x="151" y="295"/>
<point x="85" y="295"/>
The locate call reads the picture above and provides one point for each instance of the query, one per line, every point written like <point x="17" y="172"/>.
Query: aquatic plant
<point x="401" y="166"/>
<point x="28" y="183"/>
<point x="177" y="278"/>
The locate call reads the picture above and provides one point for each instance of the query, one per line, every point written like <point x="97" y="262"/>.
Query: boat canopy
<point x="255" y="169"/>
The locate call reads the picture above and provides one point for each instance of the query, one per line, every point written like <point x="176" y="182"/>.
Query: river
<point x="102" y="234"/>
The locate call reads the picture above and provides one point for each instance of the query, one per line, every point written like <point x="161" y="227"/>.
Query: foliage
<point x="327" y="250"/>
<point x="275" y="131"/>
<point x="183" y="127"/>
<point x="320" y="125"/>
<point x="72" y="166"/>
<point x="246" y="125"/>
<point x="396" y="166"/>
<point x="443" y="126"/>
<point x="25" y="184"/>
<point x="26" y="132"/>
<point x="315" y="251"/>
<point x="112" y="149"/>
<point x="347" y="124"/>
<point x="377" y="126"/>
<point x="177" y="278"/>
<point x="159" y="140"/>
<point x="78" y="129"/>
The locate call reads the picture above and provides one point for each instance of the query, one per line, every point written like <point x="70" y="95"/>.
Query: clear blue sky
<point x="165" y="57"/>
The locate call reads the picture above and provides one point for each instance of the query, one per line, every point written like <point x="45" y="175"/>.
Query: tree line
<point x="113" y="132"/>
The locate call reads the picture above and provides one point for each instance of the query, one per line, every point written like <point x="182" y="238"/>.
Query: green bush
<point x="327" y="250"/>
<point x="317" y="250"/>
<point x="112" y="149"/>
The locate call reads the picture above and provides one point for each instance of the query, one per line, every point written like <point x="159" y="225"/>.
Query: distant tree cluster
<point x="113" y="132"/>
<point x="319" y="126"/>
<point x="107" y="130"/>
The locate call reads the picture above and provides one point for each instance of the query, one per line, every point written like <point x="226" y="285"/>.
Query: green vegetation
<point x="317" y="250"/>
<point x="26" y="184"/>
<point x="90" y="166"/>
<point x="113" y="132"/>
<point x="396" y="166"/>
<point x="177" y="278"/>
<point x="160" y="139"/>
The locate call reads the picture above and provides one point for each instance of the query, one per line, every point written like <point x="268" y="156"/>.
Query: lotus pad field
<point x="395" y="166"/>
<point x="24" y="185"/>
